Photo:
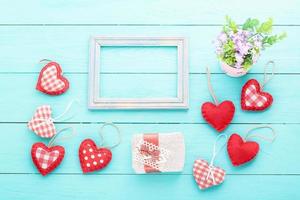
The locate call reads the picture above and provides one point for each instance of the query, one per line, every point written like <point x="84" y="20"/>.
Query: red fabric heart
<point x="46" y="159"/>
<point x="207" y="176"/>
<point x="218" y="116"/>
<point x="51" y="81"/>
<point x="241" y="151"/>
<point x="92" y="158"/>
<point x="252" y="98"/>
<point x="42" y="122"/>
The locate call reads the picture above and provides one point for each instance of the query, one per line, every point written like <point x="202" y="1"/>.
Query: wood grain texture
<point x="23" y="47"/>
<point x="141" y="12"/>
<point x="60" y="30"/>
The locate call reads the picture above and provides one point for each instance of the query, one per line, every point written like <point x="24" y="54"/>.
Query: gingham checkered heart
<point x="252" y="98"/>
<point x="42" y="123"/>
<point x="46" y="159"/>
<point x="206" y="177"/>
<point x="51" y="80"/>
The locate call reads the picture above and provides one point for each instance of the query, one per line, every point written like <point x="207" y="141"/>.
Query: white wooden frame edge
<point x="180" y="102"/>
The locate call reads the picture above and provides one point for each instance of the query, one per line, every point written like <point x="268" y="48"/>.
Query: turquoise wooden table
<point x="60" y="30"/>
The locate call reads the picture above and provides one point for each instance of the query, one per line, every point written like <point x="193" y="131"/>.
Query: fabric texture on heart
<point x="218" y="116"/>
<point x="46" y="159"/>
<point x="93" y="158"/>
<point x="51" y="81"/>
<point x="252" y="98"/>
<point x="42" y="123"/>
<point x="207" y="176"/>
<point x="241" y="151"/>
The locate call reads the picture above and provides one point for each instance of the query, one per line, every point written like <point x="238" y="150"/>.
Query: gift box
<point x="158" y="152"/>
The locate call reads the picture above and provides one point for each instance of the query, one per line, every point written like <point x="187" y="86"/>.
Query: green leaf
<point x="231" y="24"/>
<point x="250" y="24"/>
<point x="282" y="36"/>
<point x="266" y="27"/>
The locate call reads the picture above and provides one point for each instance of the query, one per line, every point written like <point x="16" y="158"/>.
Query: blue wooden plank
<point x="25" y="99"/>
<point x="160" y="187"/>
<point x="158" y="12"/>
<point x="22" y="48"/>
<point x="276" y="158"/>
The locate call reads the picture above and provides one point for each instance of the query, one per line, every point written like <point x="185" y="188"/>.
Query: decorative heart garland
<point x="47" y="158"/>
<point x="51" y="81"/>
<point x="241" y="151"/>
<point x="219" y="116"/>
<point x="42" y="123"/>
<point x="201" y="170"/>
<point x="207" y="175"/>
<point x="93" y="158"/>
<point x="252" y="96"/>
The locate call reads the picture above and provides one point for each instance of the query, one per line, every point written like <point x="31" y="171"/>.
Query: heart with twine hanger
<point x="92" y="157"/>
<point x="42" y="123"/>
<point x="48" y="157"/>
<point x="51" y="81"/>
<point x="241" y="151"/>
<point x="206" y="174"/>
<point x="218" y="115"/>
<point x="253" y="98"/>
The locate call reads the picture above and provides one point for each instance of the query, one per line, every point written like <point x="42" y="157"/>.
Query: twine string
<point x="269" y="139"/>
<point x="266" y="77"/>
<point x="54" y="138"/>
<point x="210" y="173"/>
<point x="45" y="60"/>
<point x="118" y="132"/>
<point x="210" y="88"/>
<point x="67" y="109"/>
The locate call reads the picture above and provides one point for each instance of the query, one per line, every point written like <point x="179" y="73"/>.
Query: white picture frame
<point x="179" y="102"/>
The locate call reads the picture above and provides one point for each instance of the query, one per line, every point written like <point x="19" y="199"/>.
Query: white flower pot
<point x="232" y="71"/>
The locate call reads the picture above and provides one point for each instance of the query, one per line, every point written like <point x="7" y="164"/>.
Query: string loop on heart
<point x="266" y="77"/>
<point x="67" y="109"/>
<point x="269" y="139"/>
<point x="45" y="60"/>
<point x="54" y="138"/>
<point x="118" y="132"/>
<point x="210" y="173"/>
<point x="210" y="88"/>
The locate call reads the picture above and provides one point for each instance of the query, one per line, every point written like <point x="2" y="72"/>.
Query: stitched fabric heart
<point x="42" y="123"/>
<point x="46" y="159"/>
<point x="93" y="158"/>
<point x="51" y="81"/>
<point x="218" y="116"/>
<point x="207" y="176"/>
<point x="241" y="151"/>
<point x="252" y="98"/>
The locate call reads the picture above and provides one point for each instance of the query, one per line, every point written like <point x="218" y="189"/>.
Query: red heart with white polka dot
<point x="93" y="158"/>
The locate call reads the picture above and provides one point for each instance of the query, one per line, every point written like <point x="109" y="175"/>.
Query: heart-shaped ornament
<point x="207" y="176"/>
<point x="93" y="158"/>
<point x="51" y="80"/>
<point x="46" y="159"/>
<point x="42" y="122"/>
<point x="241" y="151"/>
<point x="252" y="98"/>
<point x="218" y="116"/>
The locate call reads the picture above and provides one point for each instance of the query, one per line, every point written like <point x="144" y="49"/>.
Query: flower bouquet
<point x="239" y="47"/>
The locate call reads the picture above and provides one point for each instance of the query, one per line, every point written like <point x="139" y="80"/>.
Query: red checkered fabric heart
<point x="46" y="159"/>
<point x="207" y="176"/>
<point x="51" y="80"/>
<point x="42" y="123"/>
<point x="252" y="98"/>
<point x="92" y="158"/>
